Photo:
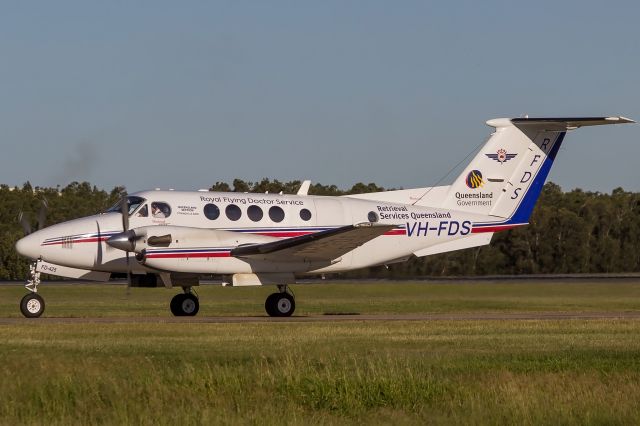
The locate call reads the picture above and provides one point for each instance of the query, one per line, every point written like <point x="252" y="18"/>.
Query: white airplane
<point x="175" y="237"/>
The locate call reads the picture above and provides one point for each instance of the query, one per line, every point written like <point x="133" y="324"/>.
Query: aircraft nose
<point x="29" y="246"/>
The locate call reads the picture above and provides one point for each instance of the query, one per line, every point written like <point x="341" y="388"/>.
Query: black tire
<point x="175" y="304"/>
<point x="270" y="305"/>
<point x="32" y="305"/>
<point x="280" y="305"/>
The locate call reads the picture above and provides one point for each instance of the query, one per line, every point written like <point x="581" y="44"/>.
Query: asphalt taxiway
<point x="482" y="316"/>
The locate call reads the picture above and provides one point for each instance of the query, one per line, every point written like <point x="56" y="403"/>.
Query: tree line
<point x="569" y="232"/>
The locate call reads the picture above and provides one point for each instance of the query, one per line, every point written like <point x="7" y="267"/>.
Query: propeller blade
<point x="26" y="226"/>
<point x="128" y="276"/>
<point x="124" y="209"/>
<point x="125" y="240"/>
<point x="99" y="246"/>
<point x="42" y="214"/>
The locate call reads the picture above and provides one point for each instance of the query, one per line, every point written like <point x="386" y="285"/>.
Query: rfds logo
<point x="474" y="179"/>
<point x="501" y="156"/>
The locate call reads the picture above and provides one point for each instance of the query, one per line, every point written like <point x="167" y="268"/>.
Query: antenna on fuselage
<point x="304" y="188"/>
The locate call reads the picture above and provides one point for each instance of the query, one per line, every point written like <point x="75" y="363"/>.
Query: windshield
<point x="133" y="203"/>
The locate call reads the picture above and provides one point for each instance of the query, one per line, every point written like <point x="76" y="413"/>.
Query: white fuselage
<point x="252" y="218"/>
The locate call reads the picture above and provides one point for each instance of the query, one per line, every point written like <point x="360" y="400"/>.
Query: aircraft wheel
<point x="280" y="305"/>
<point x="190" y="305"/>
<point x="184" y="305"/>
<point x="32" y="305"/>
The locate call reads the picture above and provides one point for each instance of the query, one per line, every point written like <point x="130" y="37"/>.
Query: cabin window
<point x="211" y="211"/>
<point x="233" y="212"/>
<point x="276" y="214"/>
<point x="160" y="210"/>
<point x="255" y="213"/>
<point x="143" y="212"/>
<point x="305" y="214"/>
<point x="373" y="217"/>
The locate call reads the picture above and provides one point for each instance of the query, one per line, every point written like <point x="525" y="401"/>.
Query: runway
<point x="515" y="316"/>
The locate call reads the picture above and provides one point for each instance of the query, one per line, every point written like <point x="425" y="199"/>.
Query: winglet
<point x="620" y="119"/>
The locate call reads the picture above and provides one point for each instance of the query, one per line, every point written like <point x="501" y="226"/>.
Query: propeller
<point x="26" y="226"/>
<point x="24" y="221"/>
<point x="125" y="240"/>
<point x="124" y="209"/>
<point x="42" y="214"/>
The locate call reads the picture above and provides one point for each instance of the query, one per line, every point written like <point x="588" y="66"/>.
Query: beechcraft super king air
<point x="172" y="238"/>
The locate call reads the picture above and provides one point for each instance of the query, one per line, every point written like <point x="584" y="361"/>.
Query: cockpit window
<point x="143" y="212"/>
<point x="160" y="210"/>
<point x="133" y="203"/>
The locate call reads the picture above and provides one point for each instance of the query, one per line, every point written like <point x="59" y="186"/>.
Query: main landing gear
<point x="281" y="304"/>
<point x="32" y="305"/>
<point x="185" y="304"/>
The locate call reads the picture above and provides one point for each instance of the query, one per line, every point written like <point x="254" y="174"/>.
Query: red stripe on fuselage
<point x="83" y="240"/>
<point x="185" y="255"/>
<point x="283" y="234"/>
<point x="496" y="228"/>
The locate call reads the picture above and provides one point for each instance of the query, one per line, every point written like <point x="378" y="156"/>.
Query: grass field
<point x="98" y="300"/>
<point x="401" y="372"/>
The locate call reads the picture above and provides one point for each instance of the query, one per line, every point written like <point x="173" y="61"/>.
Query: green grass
<point x="401" y="372"/>
<point x="99" y="300"/>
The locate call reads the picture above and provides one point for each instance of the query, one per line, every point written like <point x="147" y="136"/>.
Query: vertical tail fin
<point x="505" y="178"/>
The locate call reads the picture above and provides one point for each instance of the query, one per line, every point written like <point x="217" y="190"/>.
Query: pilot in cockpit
<point x="157" y="212"/>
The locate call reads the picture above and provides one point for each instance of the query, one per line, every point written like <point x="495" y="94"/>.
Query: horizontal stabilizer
<point x="568" y="123"/>
<point x="475" y="240"/>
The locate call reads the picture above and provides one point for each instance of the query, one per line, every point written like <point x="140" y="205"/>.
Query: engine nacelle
<point x="201" y="251"/>
<point x="149" y="238"/>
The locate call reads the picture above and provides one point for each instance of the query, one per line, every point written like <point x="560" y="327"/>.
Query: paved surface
<point x="334" y="318"/>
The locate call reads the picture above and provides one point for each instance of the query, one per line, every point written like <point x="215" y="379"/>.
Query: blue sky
<point x="182" y="94"/>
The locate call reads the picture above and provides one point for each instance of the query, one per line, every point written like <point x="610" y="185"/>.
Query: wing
<point x="325" y="245"/>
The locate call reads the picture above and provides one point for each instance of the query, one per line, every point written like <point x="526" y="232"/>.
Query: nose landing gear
<point x="185" y="304"/>
<point x="32" y="305"/>
<point x="281" y="304"/>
